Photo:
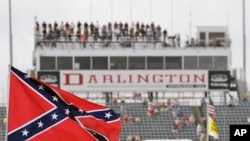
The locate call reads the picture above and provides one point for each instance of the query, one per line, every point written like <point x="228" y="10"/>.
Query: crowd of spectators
<point x="117" y="29"/>
<point x="181" y="119"/>
<point x="115" y="32"/>
<point x="110" y="32"/>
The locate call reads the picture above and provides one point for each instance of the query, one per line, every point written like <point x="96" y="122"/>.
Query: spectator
<point x="55" y="26"/>
<point x="44" y="31"/>
<point x="137" y="137"/>
<point x="96" y="34"/>
<point x="151" y="110"/>
<point x="92" y="27"/>
<point x="115" y="101"/>
<point x="79" y="25"/>
<point x="126" y="119"/>
<point x="137" y="120"/>
<point x="245" y="96"/>
<point x="248" y="119"/>
<point x="123" y="108"/>
<point x="178" y="40"/>
<point x="185" y="119"/>
<point x="104" y="33"/>
<point x="162" y="107"/>
<point x="72" y="27"/>
<point x="200" y="131"/>
<point x="169" y="104"/>
<point x="4" y="120"/>
<point x="179" y="113"/>
<point x="203" y="101"/>
<point x="97" y="25"/>
<point x="145" y="102"/>
<point x="176" y="102"/>
<point x="37" y="27"/>
<point x="165" y="35"/>
<point x="176" y="126"/>
<point x="192" y="119"/>
<point x="117" y="33"/>
<point x="109" y="34"/>
<point x="129" y="138"/>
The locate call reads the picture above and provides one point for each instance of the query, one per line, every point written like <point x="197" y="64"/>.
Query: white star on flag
<point x="25" y="132"/>
<point x="80" y="110"/>
<point x="27" y="76"/>
<point x="54" y="116"/>
<point x="67" y="111"/>
<point x="41" y="87"/>
<point x="55" y="98"/>
<point x="40" y="124"/>
<point x="108" y="115"/>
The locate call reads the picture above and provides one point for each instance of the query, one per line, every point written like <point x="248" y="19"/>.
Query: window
<point x="47" y="63"/>
<point x="154" y="63"/>
<point x="117" y="63"/>
<point x="136" y="63"/>
<point x="100" y="63"/>
<point x="64" y="63"/>
<point x="206" y="62"/>
<point x="220" y="63"/>
<point x="173" y="62"/>
<point x="190" y="62"/>
<point x="83" y="62"/>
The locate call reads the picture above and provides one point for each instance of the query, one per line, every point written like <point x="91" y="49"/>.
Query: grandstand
<point x="158" y="77"/>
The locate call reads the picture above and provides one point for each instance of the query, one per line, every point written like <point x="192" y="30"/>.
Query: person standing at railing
<point x="117" y="33"/>
<point x="72" y="27"/>
<point x="44" y="25"/>
<point x="79" y="26"/>
<point x="165" y="36"/>
<point x="37" y="28"/>
<point x="109" y="34"/>
<point x="104" y="33"/>
<point x="55" y="26"/>
<point x="92" y="27"/>
<point x="85" y="35"/>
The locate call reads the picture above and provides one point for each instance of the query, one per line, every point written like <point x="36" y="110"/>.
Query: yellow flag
<point x="212" y="128"/>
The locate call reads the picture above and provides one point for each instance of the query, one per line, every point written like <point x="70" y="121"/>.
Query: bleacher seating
<point x="2" y="124"/>
<point x="160" y="125"/>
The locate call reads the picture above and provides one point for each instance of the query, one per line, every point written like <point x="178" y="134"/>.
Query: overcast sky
<point x="178" y="13"/>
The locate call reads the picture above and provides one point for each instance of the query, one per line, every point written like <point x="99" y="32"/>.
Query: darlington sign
<point x="162" y="80"/>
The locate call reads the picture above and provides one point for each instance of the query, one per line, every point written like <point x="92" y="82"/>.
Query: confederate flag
<point x="42" y="112"/>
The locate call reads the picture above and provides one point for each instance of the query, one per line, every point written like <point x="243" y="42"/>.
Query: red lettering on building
<point x="184" y="78"/>
<point x="142" y="78"/>
<point x="200" y="78"/>
<point x="157" y="78"/>
<point x="92" y="79"/>
<point x="120" y="80"/>
<point x="77" y="78"/>
<point x="107" y="78"/>
<point x="68" y="79"/>
<point x="171" y="77"/>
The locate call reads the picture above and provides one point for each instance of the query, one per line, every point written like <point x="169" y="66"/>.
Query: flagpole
<point x="207" y="117"/>
<point x="11" y="63"/>
<point x="131" y="10"/>
<point x="111" y="10"/>
<point x="150" y="7"/>
<point x="244" y="46"/>
<point x="90" y="10"/>
<point x="171" y="17"/>
<point x="10" y="29"/>
<point x="7" y="104"/>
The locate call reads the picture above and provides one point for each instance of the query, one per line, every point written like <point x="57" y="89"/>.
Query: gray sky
<point x="197" y="12"/>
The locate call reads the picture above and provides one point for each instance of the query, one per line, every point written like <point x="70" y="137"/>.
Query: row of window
<point x="133" y="63"/>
